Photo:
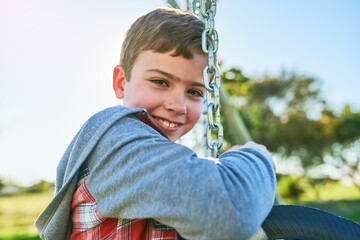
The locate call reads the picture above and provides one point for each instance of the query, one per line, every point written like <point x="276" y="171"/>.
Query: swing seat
<point x="300" y="222"/>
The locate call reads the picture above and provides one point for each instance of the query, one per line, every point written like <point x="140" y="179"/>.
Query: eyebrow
<point x="172" y="77"/>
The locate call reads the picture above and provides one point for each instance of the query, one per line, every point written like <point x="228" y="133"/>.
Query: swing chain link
<point x="211" y="76"/>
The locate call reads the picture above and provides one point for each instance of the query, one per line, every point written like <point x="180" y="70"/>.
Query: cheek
<point x="195" y="112"/>
<point x="149" y="99"/>
<point x="140" y="98"/>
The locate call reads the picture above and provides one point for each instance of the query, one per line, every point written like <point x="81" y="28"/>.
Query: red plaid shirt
<point x="88" y="223"/>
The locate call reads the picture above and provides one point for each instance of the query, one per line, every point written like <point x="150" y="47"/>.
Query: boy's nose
<point x="176" y="103"/>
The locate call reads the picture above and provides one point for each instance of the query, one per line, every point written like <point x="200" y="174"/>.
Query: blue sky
<point x="57" y="57"/>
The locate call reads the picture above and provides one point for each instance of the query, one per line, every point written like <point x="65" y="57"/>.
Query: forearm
<point x="249" y="177"/>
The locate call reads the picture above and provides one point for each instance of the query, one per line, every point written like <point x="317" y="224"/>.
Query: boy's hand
<point x="259" y="146"/>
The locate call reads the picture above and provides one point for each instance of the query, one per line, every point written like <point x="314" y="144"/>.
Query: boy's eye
<point x="195" y="93"/>
<point x="160" y="82"/>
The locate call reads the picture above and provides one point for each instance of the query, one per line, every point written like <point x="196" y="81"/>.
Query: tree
<point x="288" y="114"/>
<point x="2" y="183"/>
<point x="42" y="186"/>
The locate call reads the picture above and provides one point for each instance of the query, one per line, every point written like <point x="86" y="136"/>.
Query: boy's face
<point x="170" y="88"/>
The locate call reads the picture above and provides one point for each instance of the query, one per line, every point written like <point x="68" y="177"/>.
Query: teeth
<point x="168" y="124"/>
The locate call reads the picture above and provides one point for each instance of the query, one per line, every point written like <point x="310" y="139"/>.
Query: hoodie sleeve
<point x="137" y="173"/>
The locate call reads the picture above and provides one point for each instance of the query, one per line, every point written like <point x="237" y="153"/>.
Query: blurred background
<point x="291" y="70"/>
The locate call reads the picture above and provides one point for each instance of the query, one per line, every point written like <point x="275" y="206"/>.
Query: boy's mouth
<point x="165" y="124"/>
<point x="168" y="124"/>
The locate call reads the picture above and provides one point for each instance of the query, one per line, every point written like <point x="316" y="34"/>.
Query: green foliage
<point x="349" y="128"/>
<point x="288" y="114"/>
<point x="2" y="183"/>
<point x="291" y="187"/>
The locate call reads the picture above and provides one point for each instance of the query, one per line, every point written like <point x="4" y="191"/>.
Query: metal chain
<point x="206" y="10"/>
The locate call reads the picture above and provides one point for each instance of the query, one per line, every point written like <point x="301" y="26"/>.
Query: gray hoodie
<point x="135" y="172"/>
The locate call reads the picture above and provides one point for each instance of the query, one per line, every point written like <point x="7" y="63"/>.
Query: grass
<point x="349" y="209"/>
<point x="18" y="213"/>
<point x="333" y="197"/>
<point x="331" y="191"/>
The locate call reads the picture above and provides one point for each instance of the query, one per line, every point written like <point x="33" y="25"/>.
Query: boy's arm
<point x="137" y="173"/>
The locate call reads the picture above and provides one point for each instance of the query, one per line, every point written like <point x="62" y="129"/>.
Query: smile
<point x="168" y="124"/>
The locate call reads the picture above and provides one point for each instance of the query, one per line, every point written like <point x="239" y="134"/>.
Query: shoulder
<point x="114" y="113"/>
<point x="105" y="119"/>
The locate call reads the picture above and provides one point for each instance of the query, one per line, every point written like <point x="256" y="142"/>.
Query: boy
<point x="123" y="177"/>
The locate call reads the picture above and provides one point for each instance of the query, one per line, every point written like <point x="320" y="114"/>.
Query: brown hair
<point x="162" y="30"/>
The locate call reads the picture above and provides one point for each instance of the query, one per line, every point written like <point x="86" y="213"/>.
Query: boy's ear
<point x="119" y="81"/>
